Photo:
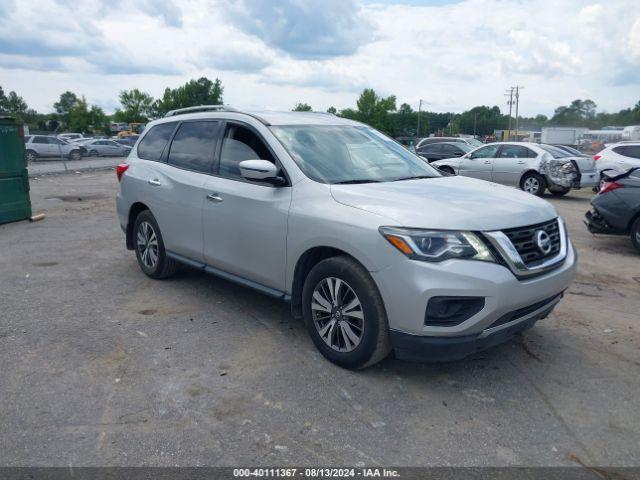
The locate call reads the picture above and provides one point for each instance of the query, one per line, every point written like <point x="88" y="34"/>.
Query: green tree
<point x="193" y="93"/>
<point x="13" y="105"/>
<point x="63" y="107"/>
<point x="137" y="106"/>
<point x="86" y="119"/>
<point x="580" y="113"/>
<point x="3" y="101"/>
<point x="302" y="107"/>
<point x="373" y="110"/>
<point x="332" y="110"/>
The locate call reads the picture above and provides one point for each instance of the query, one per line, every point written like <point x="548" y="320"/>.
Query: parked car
<point x="532" y="167"/>
<point x="106" y="148"/>
<point x="619" y="157"/>
<point x="129" y="141"/>
<point x="616" y="208"/>
<point x="69" y="137"/>
<point x="373" y="247"/>
<point x="573" y="151"/>
<point x="42" y="146"/>
<point x="440" y="150"/>
<point x="469" y="141"/>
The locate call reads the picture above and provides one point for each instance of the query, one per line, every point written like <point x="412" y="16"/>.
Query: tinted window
<point x="193" y="146"/>
<point x="554" y="151"/>
<point x="432" y="148"/>
<point x="450" y="149"/>
<point x="628" y="151"/>
<point x="240" y="144"/>
<point x="514" y="151"/>
<point x="154" y="142"/>
<point x="27" y="138"/>
<point x="55" y="141"/>
<point x="485" y="152"/>
<point x="40" y="140"/>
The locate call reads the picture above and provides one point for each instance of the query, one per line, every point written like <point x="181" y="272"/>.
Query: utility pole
<point x="518" y="88"/>
<point x="510" y="103"/>
<point x="475" y="121"/>
<point x="419" y="118"/>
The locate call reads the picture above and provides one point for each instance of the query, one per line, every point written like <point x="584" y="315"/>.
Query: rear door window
<point x="155" y="141"/>
<point x="39" y="139"/>
<point x="193" y="146"/>
<point x="628" y="151"/>
<point x="514" y="151"/>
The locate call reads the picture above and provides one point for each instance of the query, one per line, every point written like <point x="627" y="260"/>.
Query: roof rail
<point x="200" y="108"/>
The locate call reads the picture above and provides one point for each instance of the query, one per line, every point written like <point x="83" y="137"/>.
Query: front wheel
<point x="635" y="234"/>
<point x="149" y="246"/>
<point x="93" y="153"/>
<point x="533" y="183"/>
<point x="344" y="313"/>
<point x="75" y="155"/>
<point x="32" y="156"/>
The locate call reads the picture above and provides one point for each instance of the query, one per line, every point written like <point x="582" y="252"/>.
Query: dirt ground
<point x="103" y="366"/>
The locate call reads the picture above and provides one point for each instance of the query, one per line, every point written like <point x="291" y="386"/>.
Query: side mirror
<point x="261" y="171"/>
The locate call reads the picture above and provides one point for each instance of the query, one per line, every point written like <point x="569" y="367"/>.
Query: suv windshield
<point x="350" y="154"/>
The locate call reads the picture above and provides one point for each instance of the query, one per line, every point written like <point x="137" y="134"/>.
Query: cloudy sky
<point x="274" y="53"/>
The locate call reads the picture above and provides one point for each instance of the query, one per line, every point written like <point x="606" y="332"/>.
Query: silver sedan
<point x="106" y="148"/>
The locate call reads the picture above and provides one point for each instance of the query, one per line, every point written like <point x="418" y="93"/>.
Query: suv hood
<point x="447" y="203"/>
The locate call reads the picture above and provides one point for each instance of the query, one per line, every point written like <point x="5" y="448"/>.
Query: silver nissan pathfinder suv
<point x="372" y="247"/>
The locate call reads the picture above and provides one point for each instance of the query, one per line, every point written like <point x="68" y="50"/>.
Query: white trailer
<point x="631" y="133"/>
<point x="562" y="135"/>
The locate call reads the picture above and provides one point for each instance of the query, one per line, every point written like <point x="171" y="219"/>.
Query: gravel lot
<point x="103" y="366"/>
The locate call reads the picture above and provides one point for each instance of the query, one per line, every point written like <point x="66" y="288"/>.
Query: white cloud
<point x="271" y="55"/>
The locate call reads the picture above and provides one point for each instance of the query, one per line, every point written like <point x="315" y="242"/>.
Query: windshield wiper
<point x="416" y="177"/>
<point x="357" y="180"/>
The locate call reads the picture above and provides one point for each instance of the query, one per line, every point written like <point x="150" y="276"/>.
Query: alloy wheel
<point x="531" y="185"/>
<point x="147" y="245"/>
<point x="337" y="314"/>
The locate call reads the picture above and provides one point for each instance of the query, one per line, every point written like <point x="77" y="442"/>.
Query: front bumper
<point x="407" y="287"/>
<point x="415" y="348"/>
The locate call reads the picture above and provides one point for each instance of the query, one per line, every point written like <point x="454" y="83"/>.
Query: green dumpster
<point x="15" y="203"/>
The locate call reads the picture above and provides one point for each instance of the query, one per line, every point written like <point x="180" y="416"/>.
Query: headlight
<point x="437" y="245"/>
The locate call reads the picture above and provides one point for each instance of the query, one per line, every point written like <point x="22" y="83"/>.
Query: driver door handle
<point x="214" y="197"/>
<point x="154" y="181"/>
<point x="487" y="162"/>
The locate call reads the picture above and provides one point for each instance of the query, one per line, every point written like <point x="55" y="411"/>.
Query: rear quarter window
<point x="155" y="141"/>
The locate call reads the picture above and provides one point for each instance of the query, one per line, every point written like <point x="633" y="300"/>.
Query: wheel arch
<point x="134" y="211"/>
<point x="309" y="259"/>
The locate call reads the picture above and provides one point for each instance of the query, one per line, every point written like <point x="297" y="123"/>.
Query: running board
<point x="272" y="292"/>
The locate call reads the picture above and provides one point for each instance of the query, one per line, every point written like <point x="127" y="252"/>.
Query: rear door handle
<point x="522" y="162"/>
<point x="214" y="197"/>
<point x="487" y="162"/>
<point x="155" y="182"/>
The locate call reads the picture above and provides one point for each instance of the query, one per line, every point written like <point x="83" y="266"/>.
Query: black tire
<point x="75" y="155"/>
<point x="635" y="234"/>
<point x="559" y="193"/>
<point x="531" y="179"/>
<point x="374" y="342"/>
<point x="163" y="267"/>
<point x="447" y="169"/>
<point x="94" y="153"/>
<point x="31" y="156"/>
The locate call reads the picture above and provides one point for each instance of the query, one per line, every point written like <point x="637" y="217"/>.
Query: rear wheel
<point x="533" y="183"/>
<point x="635" y="234"/>
<point x="31" y="156"/>
<point x="75" y="155"/>
<point x="149" y="246"/>
<point x="344" y="313"/>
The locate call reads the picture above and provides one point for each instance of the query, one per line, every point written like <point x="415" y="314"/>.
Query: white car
<point x="530" y="166"/>
<point x="619" y="156"/>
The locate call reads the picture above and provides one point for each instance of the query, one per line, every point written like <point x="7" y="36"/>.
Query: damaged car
<point x="616" y="208"/>
<point x="534" y="168"/>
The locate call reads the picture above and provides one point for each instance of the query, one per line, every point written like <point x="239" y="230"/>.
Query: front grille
<point x="524" y="240"/>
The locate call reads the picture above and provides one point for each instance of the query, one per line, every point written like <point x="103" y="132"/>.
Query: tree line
<point x="73" y="113"/>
